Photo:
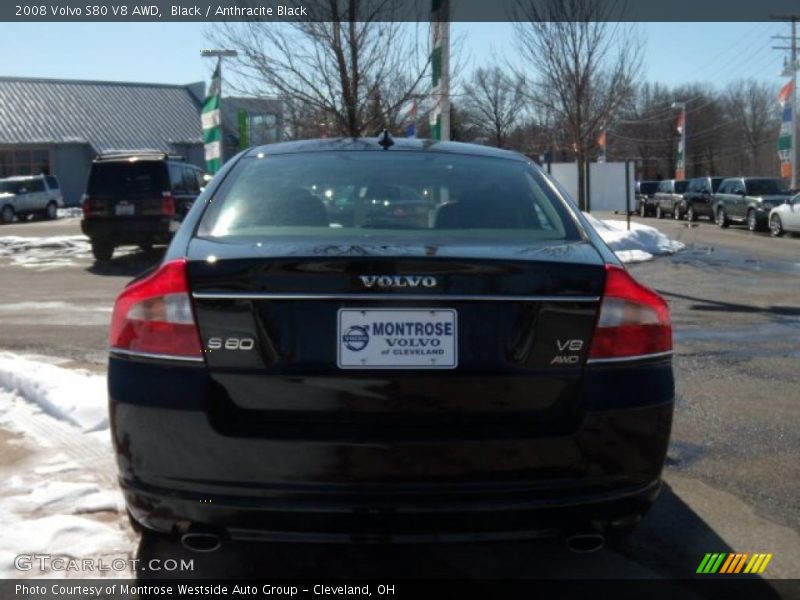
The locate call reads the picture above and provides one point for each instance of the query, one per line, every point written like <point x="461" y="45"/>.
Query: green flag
<point x="212" y="124"/>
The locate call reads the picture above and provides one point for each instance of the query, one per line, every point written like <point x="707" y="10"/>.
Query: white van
<point x="29" y="195"/>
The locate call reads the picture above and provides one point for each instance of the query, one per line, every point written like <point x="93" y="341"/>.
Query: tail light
<point x="634" y="320"/>
<point x="86" y="205"/>
<point x="167" y="204"/>
<point x="154" y="315"/>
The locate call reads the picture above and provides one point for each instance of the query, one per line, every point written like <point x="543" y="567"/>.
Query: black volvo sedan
<point x="460" y="358"/>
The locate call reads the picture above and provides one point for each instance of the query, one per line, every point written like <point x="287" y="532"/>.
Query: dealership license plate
<point x="397" y="339"/>
<point x="123" y="210"/>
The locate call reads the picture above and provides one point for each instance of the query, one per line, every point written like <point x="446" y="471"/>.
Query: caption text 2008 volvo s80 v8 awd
<point x="361" y="340"/>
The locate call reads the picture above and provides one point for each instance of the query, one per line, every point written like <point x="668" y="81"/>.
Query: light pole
<point x="211" y="115"/>
<point x="680" y="168"/>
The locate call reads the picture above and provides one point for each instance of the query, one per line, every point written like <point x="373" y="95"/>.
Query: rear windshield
<point x="423" y="195"/>
<point x="8" y="187"/>
<point x="127" y="178"/>
<point x="759" y="187"/>
<point x="715" y="181"/>
<point x="648" y="187"/>
<point x="52" y="182"/>
<point x="680" y="186"/>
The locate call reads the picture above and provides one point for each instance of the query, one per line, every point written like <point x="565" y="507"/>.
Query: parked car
<point x="785" y="217"/>
<point x="645" y="190"/>
<point x="137" y="199"/>
<point x="748" y="200"/>
<point x="668" y="197"/>
<point x="474" y="375"/>
<point x="378" y="203"/>
<point x="38" y="195"/>
<point x="697" y="200"/>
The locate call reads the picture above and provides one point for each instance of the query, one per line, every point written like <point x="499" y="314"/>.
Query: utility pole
<point x="791" y="69"/>
<point x="440" y="69"/>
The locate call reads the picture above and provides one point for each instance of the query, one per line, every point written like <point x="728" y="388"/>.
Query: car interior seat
<point x="488" y="209"/>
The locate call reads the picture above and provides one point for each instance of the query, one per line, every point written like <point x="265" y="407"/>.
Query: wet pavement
<point x="735" y="300"/>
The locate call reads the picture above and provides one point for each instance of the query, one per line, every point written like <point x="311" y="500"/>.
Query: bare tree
<point x="646" y="131"/>
<point x="586" y="65"/>
<point x="351" y="68"/>
<point x="751" y="107"/>
<point x="495" y="102"/>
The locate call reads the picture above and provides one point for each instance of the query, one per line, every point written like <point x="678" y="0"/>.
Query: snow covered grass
<point x="61" y="470"/>
<point x="639" y="244"/>
<point x="77" y="397"/>
<point x="45" y="252"/>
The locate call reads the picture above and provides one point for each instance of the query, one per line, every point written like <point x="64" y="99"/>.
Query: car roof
<point x="139" y="156"/>
<point x="371" y="143"/>
<point x="22" y="177"/>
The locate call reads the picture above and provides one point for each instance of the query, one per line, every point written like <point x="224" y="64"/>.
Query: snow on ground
<point x="45" y="253"/>
<point x="639" y="244"/>
<point x="70" y="212"/>
<point x="58" y="494"/>
<point x="78" y="397"/>
<point x="55" y="313"/>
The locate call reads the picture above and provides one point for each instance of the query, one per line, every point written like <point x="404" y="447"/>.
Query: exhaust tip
<point x="586" y="543"/>
<point x="201" y="541"/>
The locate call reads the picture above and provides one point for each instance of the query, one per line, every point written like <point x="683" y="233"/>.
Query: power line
<point x="732" y="64"/>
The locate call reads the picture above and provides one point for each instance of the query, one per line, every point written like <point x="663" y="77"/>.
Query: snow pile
<point x="71" y="212"/>
<point x="50" y="252"/>
<point x="639" y="244"/>
<point x="58" y="493"/>
<point x="56" y="535"/>
<point x="77" y="397"/>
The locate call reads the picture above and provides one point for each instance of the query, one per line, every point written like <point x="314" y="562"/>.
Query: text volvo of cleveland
<point x="365" y="340"/>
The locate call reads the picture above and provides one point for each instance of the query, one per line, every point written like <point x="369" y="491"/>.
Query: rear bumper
<point x="179" y="469"/>
<point x="130" y="230"/>
<point x="476" y="513"/>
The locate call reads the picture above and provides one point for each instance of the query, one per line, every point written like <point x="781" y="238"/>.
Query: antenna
<point x="385" y="140"/>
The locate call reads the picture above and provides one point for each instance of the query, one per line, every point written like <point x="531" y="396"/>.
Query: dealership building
<point x="58" y="126"/>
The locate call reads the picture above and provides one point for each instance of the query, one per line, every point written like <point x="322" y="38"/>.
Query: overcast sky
<point x="170" y="52"/>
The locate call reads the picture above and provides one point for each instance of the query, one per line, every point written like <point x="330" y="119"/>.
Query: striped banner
<point x="733" y="562"/>
<point x="212" y="123"/>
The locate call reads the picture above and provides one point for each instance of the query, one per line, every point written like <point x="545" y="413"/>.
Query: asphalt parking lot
<point x="733" y="473"/>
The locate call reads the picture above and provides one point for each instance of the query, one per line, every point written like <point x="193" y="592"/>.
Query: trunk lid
<point x="270" y="317"/>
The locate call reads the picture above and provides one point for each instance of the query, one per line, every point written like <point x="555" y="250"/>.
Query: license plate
<point x="123" y="210"/>
<point x="397" y="339"/>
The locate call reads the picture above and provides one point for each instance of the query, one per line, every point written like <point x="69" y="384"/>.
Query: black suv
<point x="645" y="190"/>
<point x="697" y="198"/>
<point x="137" y="199"/>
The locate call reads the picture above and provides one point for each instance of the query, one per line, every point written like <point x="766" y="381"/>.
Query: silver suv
<point x="29" y="195"/>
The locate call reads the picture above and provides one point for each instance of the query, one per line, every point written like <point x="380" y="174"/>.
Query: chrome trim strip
<point x="597" y="361"/>
<point x="392" y="297"/>
<point x="134" y="353"/>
